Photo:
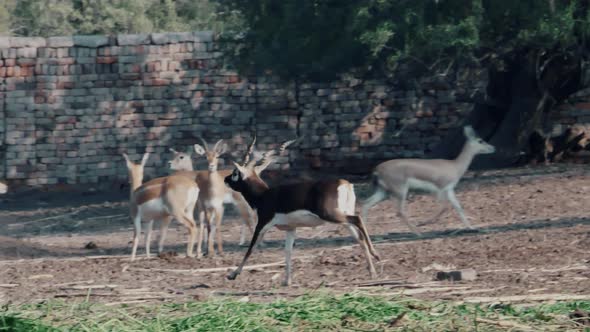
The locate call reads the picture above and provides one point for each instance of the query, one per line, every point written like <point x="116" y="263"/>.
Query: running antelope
<point x="165" y="198"/>
<point x="394" y="178"/>
<point x="303" y="204"/>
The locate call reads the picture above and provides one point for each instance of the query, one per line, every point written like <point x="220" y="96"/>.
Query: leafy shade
<point x="323" y="38"/>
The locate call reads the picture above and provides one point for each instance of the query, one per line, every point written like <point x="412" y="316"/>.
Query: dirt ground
<point x="532" y="239"/>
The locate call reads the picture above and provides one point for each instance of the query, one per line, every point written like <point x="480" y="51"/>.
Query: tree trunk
<point x="521" y="91"/>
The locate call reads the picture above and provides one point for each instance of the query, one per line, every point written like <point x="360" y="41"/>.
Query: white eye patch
<point x="235" y="176"/>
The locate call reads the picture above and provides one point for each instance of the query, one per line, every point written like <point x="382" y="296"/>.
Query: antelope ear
<point x="222" y="149"/>
<point x="144" y="159"/>
<point x="217" y="146"/>
<point x="468" y="131"/>
<point x="199" y="149"/>
<point x="129" y="163"/>
<point x="242" y="170"/>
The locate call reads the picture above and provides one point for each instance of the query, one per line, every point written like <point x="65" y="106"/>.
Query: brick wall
<point x="70" y="105"/>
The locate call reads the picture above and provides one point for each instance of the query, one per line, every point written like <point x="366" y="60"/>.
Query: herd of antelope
<point x="304" y="203"/>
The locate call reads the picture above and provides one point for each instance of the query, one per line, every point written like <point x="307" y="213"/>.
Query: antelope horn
<point x="249" y="151"/>
<point x="266" y="160"/>
<point x="217" y="145"/>
<point x="266" y="157"/>
<point x="205" y="145"/>
<point x="286" y="144"/>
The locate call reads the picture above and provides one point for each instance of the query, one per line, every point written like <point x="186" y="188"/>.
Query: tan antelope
<point x="394" y="178"/>
<point x="182" y="161"/>
<point x="302" y="204"/>
<point x="136" y="173"/>
<point x="214" y="194"/>
<point x="165" y="198"/>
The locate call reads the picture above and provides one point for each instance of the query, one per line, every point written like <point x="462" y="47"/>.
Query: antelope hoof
<point x="286" y="283"/>
<point x="373" y="273"/>
<point x="232" y="276"/>
<point x="191" y="255"/>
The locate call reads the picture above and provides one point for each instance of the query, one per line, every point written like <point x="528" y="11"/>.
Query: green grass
<point x="350" y="312"/>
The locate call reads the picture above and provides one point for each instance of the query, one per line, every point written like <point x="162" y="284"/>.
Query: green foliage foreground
<point x="349" y="312"/>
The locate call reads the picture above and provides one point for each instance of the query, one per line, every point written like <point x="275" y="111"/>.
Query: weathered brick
<point x="67" y="41"/>
<point x="138" y="39"/>
<point x="4" y="42"/>
<point x="91" y="41"/>
<point x="175" y="37"/>
<point x="107" y="59"/>
<point x="33" y="42"/>
<point x="26" y="52"/>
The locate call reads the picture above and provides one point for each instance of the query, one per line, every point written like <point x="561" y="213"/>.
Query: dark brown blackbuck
<point x="294" y="205"/>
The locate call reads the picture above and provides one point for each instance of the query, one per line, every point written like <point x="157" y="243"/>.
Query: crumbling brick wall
<point x="70" y="105"/>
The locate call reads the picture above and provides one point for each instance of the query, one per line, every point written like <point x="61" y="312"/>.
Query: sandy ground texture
<point x="532" y="242"/>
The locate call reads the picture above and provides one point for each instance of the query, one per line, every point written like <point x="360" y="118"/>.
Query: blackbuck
<point x="182" y="161"/>
<point x="290" y="206"/>
<point x="164" y="199"/>
<point x="394" y="178"/>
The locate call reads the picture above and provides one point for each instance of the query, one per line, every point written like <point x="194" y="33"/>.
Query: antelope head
<point x="136" y="170"/>
<point x="246" y="176"/>
<point x="182" y="161"/>
<point x="212" y="155"/>
<point x="475" y="143"/>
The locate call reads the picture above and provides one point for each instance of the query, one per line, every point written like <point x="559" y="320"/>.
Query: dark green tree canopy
<point x="321" y="38"/>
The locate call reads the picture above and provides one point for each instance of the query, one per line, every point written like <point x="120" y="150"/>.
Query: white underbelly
<point x="346" y="199"/>
<point x="153" y="209"/>
<point x="193" y="196"/>
<point x="416" y="184"/>
<point x="295" y="219"/>
<point x="214" y="203"/>
<point x="228" y="198"/>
